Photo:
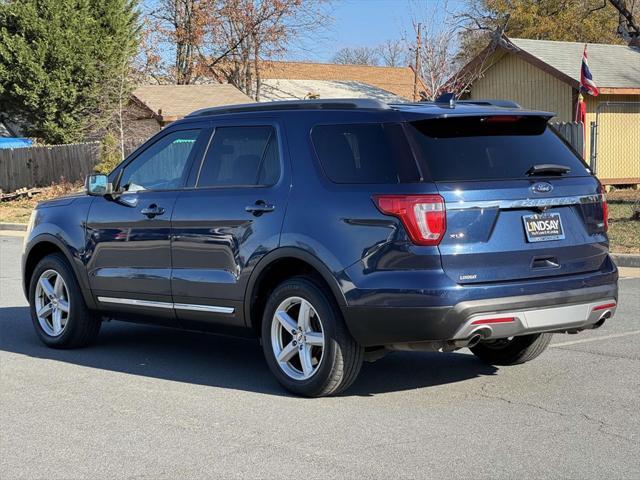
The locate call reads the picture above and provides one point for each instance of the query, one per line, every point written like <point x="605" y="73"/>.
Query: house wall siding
<point x="618" y="137"/>
<point x="512" y="78"/>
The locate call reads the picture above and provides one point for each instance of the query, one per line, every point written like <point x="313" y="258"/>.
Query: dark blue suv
<point x="334" y="231"/>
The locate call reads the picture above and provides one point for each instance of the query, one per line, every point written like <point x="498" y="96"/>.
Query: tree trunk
<point x="256" y="66"/>
<point x="632" y="26"/>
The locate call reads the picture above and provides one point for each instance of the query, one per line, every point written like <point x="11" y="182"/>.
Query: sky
<point x="368" y="23"/>
<point x="362" y="23"/>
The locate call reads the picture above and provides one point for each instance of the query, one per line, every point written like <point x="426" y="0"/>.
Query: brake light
<point x="501" y="119"/>
<point x="605" y="208"/>
<point x="423" y="216"/>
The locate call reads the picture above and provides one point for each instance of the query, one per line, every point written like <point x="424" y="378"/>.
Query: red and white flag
<point x="587" y="84"/>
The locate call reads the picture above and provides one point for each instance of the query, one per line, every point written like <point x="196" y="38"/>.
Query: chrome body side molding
<point x="177" y="306"/>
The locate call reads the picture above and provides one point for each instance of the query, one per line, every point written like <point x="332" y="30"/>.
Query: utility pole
<point x="417" y="63"/>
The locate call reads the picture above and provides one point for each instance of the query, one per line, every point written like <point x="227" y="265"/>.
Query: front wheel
<point x="512" y="351"/>
<point x="306" y="343"/>
<point x="60" y="316"/>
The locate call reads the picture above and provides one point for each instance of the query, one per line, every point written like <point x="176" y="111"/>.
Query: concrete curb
<point x="19" y="227"/>
<point x="626" y="259"/>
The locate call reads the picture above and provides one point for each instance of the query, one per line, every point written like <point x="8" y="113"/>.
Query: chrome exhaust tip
<point x="603" y="318"/>
<point x="474" y="340"/>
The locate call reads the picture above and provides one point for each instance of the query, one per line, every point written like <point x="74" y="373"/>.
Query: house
<point x="154" y="106"/>
<point x="545" y="75"/>
<point x="295" y="80"/>
<point x="273" y="89"/>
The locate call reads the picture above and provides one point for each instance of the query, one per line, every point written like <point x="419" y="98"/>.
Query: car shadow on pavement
<point x="224" y="362"/>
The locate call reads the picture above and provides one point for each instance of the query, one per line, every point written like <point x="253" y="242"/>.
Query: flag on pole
<point x="587" y="84"/>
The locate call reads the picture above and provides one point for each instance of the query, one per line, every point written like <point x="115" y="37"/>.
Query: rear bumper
<point x="565" y="310"/>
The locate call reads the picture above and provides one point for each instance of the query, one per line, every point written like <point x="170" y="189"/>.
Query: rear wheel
<point x="306" y="344"/>
<point x="512" y="351"/>
<point x="60" y="317"/>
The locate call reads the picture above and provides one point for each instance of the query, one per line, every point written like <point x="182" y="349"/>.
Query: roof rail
<point x="494" y="102"/>
<point x="329" y="104"/>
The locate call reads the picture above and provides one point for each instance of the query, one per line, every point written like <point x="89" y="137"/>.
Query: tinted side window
<point x="364" y="153"/>
<point x="241" y="156"/>
<point x="162" y="165"/>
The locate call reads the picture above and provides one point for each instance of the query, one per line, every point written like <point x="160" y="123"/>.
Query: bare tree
<point x="435" y="48"/>
<point x="357" y="56"/>
<point x="224" y="40"/>
<point x="393" y="53"/>
<point x="184" y="25"/>
<point x="629" y="25"/>
<point x="250" y="31"/>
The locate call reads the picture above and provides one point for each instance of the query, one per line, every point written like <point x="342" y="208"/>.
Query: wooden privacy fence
<point x="42" y="166"/>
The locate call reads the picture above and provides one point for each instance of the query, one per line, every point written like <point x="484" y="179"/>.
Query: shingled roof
<point x="396" y="80"/>
<point x="612" y="66"/>
<point x="172" y="102"/>
<point x="279" y="89"/>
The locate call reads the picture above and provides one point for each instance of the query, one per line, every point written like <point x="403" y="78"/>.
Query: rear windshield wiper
<point x="547" y="169"/>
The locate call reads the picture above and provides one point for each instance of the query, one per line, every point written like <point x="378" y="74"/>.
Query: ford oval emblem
<point x="542" y="187"/>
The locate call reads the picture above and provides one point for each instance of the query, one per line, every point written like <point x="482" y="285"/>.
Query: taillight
<point x="423" y="216"/>
<point x="605" y="208"/>
<point x="605" y="212"/>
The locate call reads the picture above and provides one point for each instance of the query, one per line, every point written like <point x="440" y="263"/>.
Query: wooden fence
<point x="42" y="166"/>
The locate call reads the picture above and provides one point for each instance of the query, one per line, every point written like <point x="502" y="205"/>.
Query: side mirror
<point x="98" y="185"/>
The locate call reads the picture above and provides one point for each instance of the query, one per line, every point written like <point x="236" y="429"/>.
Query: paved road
<point x="151" y="403"/>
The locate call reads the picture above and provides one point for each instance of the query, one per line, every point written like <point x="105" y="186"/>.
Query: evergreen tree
<point x="60" y="62"/>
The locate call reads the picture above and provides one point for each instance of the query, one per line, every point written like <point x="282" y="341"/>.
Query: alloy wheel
<point x="297" y="338"/>
<point x="52" y="303"/>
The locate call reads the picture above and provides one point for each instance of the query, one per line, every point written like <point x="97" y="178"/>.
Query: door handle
<point x="259" y="208"/>
<point x="152" y="211"/>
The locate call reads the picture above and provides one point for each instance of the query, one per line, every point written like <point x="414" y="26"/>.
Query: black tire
<point x="342" y="356"/>
<point x="81" y="326"/>
<point x="514" y="351"/>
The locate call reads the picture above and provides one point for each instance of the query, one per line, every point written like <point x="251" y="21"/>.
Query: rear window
<point x="490" y="148"/>
<point x="365" y="153"/>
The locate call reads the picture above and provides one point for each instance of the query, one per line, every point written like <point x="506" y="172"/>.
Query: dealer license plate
<point x="542" y="227"/>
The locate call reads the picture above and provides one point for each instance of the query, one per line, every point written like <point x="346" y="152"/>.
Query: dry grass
<point x="624" y="220"/>
<point x="19" y="210"/>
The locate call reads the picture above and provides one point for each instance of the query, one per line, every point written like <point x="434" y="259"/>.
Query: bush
<point x="110" y="154"/>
